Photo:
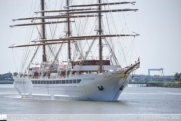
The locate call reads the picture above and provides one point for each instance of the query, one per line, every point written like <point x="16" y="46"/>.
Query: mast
<point x="43" y="32"/>
<point x="100" y="40"/>
<point x="68" y="32"/>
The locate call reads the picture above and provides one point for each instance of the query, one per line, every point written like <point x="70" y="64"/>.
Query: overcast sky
<point x="159" y="43"/>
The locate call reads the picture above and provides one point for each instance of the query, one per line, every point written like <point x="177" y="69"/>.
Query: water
<point x="134" y="100"/>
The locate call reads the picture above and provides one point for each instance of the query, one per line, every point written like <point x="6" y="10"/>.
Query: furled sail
<point x="56" y="17"/>
<point x="101" y="11"/>
<point x="67" y="10"/>
<point x="76" y="38"/>
<point x="39" y="44"/>
<point x="100" y="4"/>
<point x="30" y="24"/>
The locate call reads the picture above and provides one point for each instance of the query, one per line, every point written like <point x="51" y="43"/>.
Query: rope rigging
<point x="83" y="27"/>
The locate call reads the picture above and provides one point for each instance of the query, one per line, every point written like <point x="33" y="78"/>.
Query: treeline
<point x="157" y="81"/>
<point x="140" y="79"/>
<point x="176" y="83"/>
<point x="7" y="76"/>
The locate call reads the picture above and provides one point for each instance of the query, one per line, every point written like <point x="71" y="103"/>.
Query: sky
<point x="158" y="46"/>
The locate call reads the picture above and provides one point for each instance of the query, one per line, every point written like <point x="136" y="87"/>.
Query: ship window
<point x="41" y="82"/>
<point x="106" y="63"/>
<point x="63" y="81"/>
<point x="38" y="82"/>
<point x="92" y="63"/>
<point x="45" y="82"/>
<point x="35" y="82"/>
<point x="57" y="82"/>
<point x="97" y="63"/>
<point x="74" y="81"/>
<point x="48" y="82"/>
<point x="87" y="63"/>
<point x="54" y="82"/>
<point x="60" y="81"/>
<point x="67" y="81"/>
<point x="70" y="81"/>
<point x="32" y="82"/>
<point x="78" y="81"/>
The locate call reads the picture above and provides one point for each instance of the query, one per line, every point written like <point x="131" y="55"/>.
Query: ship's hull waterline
<point x="92" y="87"/>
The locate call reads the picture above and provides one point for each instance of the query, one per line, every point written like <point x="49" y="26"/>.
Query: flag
<point x="139" y="59"/>
<point x="31" y="20"/>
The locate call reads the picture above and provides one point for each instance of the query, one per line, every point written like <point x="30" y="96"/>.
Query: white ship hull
<point x="86" y="90"/>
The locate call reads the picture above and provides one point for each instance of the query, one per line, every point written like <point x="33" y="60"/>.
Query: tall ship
<point x="81" y="51"/>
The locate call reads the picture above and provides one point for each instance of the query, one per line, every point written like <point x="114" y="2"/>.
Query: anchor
<point x="121" y="88"/>
<point x="101" y="88"/>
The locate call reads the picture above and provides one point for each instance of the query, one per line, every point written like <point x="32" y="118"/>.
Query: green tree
<point x="146" y="79"/>
<point x="15" y="73"/>
<point x="136" y="79"/>
<point x="1" y="77"/>
<point x="160" y="80"/>
<point x="177" y="76"/>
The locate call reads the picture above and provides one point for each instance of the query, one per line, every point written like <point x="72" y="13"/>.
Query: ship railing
<point x="97" y="58"/>
<point x="57" y="76"/>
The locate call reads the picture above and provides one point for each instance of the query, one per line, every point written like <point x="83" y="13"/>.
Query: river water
<point x="133" y="100"/>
